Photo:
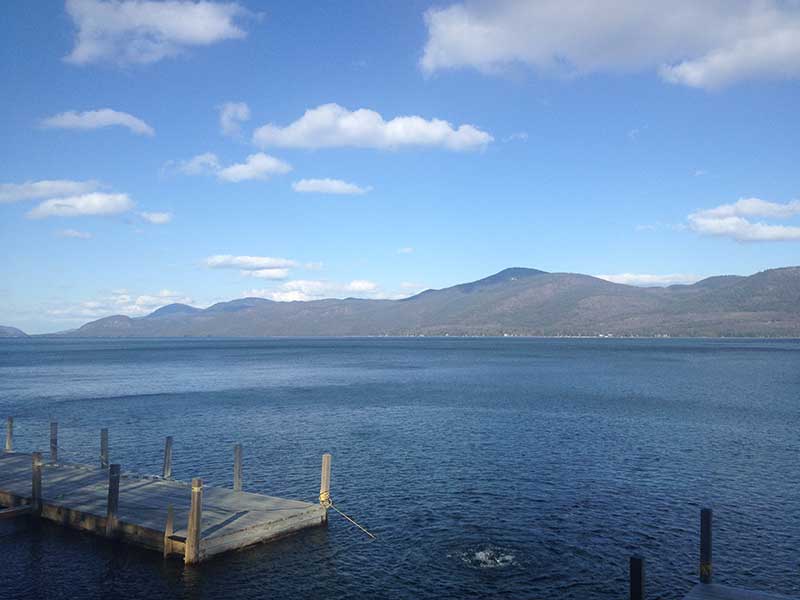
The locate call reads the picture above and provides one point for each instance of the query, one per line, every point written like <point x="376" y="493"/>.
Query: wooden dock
<point x="159" y="513"/>
<point x="706" y="589"/>
<point x="714" y="591"/>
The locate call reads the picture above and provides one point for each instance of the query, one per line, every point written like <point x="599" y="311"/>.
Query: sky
<point x="157" y="152"/>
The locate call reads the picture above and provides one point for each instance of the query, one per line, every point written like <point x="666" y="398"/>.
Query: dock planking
<point x="78" y="496"/>
<point x="714" y="591"/>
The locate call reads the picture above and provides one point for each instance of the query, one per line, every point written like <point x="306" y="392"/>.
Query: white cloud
<point x="311" y="289"/>
<point x="200" y="165"/>
<point x="699" y="44"/>
<point x="231" y="115"/>
<point x="46" y="188"/>
<point x="156" y="218"/>
<point x="406" y="250"/>
<point x="250" y="263"/>
<point x="256" y="166"/>
<point x="96" y="203"/>
<point x="119" y="302"/>
<point x="328" y="186"/>
<point x="732" y="220"/>
<point x="645" y="279"/>
<point x="331" y="125"/>
<point x="518" y="136"/>
<point x="74" y="233"/>
<point x="362" y="285"/>
<point x="95" y="119"/>
<point x="143" y="31"/>
<point x="266" y="273"/>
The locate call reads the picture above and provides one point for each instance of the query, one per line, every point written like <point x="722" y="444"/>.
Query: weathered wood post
<point x="36" y="484"/>
<point x="325" y="482"/>
<point x="237" y="468"/>
<point x="193" y="528"/>
<point x="166" y="471"/>
<point x="706" y="565"/>
<point x="637" y="578"/>
<point x="104" y="448"/>
<point x="54" y="442"/>
<point x="112" y="512"/>
<point x="169" y="529"/>
<point x="10" y="434"/>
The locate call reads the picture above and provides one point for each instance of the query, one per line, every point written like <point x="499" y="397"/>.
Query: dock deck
<point x="714" y="591"/>
<point x="78" y="496"/>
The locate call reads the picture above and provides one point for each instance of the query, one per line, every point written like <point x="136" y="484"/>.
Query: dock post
<point x="10" y="434"/>
<point x="193" y="528"/>
<point x="237" y="468"/>
<point x="104" y="448"/>
<point x="637" y="578"/>
<point x="169" y="529"/>
<point x="36" y="484"/>
<point x="54" y="442"/>
<point x="706" y="565"/>
<point x="166" y="471"/>
<point x="113" y="500"/>
<point x="325" y="482"/>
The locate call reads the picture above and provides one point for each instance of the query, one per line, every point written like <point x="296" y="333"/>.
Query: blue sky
<point x="630" y="145"/>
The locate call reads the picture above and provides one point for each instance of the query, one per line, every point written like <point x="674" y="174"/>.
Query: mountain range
<point x="515" y="301"/>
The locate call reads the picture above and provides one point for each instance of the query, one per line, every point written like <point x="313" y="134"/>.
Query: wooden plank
<point x="112" y="503"/>
<point x="195" y="521"/>
<point x="166" y="470"/>
<point x="54" y="442"/>
<point x="714" y="591"/>
<point x="9" y="434"/>
<point x="14" y="512"/>
<point x="104" y="462"/>
<point x="706" y="559"/>
<point x="76" y="496"/>
<point x="237" y="468"/>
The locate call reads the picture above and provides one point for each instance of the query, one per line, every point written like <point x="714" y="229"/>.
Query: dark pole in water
<point x="237" y="468"/>
<point x="104" y="448"/>
<point x="168" y="531"/>
<point x="637" y="578"/>
<point x="166" y="471"/>
<point x="193" y="529"/>
<point x="36" y="484"/>
<point x="706" y="568"/>
<point x="10" y="434"/>
<point x="113" y="500"/>
<point x="54" y="442"/>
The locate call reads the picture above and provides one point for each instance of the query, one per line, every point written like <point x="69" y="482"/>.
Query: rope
<point x="364" y="529"/>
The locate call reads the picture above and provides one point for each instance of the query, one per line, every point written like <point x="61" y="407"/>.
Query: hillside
<point x="11" y="332"/>
<point x="515" y="301"/>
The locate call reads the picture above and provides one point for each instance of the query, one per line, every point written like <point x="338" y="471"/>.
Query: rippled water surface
<point x="488" y="468"/>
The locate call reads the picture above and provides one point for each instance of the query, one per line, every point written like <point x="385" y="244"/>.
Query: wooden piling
<point x="706" y="564"/>
<point x="637" y="578"/>
<point x="10" y="435"/>
<point x="112" y="512"/>
<point x="237" y="468"/>
<point x="325" y="481"/>
<point x="54" y="442"/>
<point x="104" y="448"/>
<point x="166" y="471"/>
<point x="192" y="554"/>
<point x="36" y="484"/>
<point x="169" y="529"/>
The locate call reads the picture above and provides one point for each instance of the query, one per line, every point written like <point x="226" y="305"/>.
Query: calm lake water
<point x="488" y="468"/>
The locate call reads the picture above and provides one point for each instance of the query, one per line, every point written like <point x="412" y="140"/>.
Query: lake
<point x="488" y="468"/>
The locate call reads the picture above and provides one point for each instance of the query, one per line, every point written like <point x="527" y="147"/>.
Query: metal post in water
<point x="706" y="564"/>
